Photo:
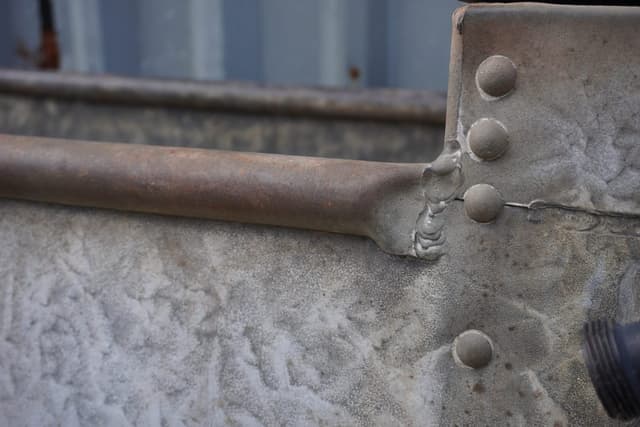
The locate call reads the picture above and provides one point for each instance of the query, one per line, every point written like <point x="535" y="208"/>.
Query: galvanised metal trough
<point x="409" y="282"/>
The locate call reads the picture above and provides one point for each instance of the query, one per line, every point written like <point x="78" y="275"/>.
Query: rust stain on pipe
<point x="344" y="196"/>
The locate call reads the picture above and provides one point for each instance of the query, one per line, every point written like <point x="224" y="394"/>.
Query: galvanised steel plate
<point x="115" y="318"/>
<point x="382" y="124"/>
<point x="573" y="117"/>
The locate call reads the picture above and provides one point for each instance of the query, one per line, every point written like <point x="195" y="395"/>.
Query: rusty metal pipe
<point x="344" y="196"/>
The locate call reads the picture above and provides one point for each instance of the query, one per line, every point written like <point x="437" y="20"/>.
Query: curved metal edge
<point x="362" y="104"/>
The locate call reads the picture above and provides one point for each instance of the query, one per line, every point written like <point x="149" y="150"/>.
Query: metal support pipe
<point x="379" y="200"/>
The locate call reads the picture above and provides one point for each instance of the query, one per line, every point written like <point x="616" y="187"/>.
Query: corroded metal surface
<point x="111" y="317"/>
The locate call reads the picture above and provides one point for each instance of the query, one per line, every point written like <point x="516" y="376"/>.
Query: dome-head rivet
<point x="496" y="76"/>
<point x="488" y="139"/>
<point x="483" y="203"/>
<point x="473" y="349"/>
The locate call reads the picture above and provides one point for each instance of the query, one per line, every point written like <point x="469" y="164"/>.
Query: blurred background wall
<point x="357" y="43"/>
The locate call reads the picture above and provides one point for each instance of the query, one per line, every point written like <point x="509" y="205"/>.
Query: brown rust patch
<point x="479" y="388"/>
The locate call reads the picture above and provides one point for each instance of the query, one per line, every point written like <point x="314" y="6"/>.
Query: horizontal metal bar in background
<point x="378" y="200"/>
<point x="367" y="104"/>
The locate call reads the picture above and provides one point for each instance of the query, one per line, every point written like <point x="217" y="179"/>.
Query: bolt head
<point x="483" y="203"/>
<point x="473" y="349"/>
<point x="488" y="139"/>
<point x="496" y="76"/>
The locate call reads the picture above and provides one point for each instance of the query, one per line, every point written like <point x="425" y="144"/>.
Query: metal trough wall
<point x="381" y="125"/>
<point x="524" y="227"/>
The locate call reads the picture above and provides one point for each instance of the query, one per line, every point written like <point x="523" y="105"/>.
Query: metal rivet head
<point x="496" y="76"/>
<point x="488" y="139"/>
<point x="483" y="203"/>
<point x="473" y="349"/>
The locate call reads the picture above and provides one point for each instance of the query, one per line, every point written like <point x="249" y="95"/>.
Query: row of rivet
<point x="488" y="140"/>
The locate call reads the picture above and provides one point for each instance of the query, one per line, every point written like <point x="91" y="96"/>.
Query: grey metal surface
<point x="383" y="125"/>
<point x="363" y="140"/>
<point x="573" y="115"/>
<point x="109" y="318"/>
